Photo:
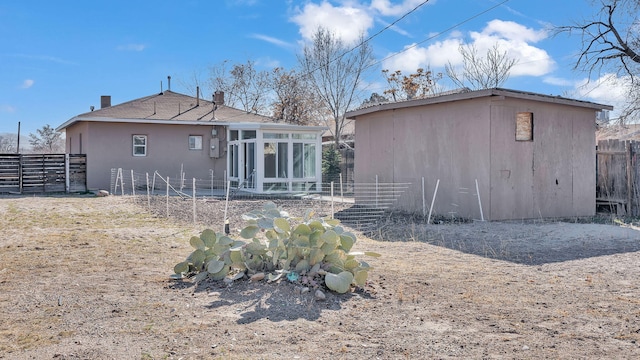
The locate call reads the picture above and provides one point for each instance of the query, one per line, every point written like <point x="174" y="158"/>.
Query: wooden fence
<point x="42" y="173"/>
<point x="618" y="173"/>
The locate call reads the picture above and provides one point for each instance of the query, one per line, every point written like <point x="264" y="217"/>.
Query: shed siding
<point x="449" y="142"/>
<point x="552" y="162"/>
<point x="511" y="166"/>
<point x="459" y="142"/>
<point x="584" y="160"/>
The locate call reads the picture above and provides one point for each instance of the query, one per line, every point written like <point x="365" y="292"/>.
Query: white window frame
<point x="197" y="145"/>
<point x="139" y="146"/>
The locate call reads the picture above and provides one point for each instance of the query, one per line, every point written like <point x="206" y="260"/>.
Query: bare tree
<point x="8" y="143"/>
<point x="243" y="85"/>
<point x="611" y="43"/>
<point x="197" y="79"/>
<point x="47" y="140"/>
<point x="415" y="86"/>
<point x="335" y="73"/>
<point x="480" y="72"/>
<point x="374" y="99"/>
<point x="294" y="101"/>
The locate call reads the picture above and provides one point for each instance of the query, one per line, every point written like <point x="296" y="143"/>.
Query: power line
<point x="440" y="33"/>
<point x="387" y="27"/>
<point x="370" y="37"/>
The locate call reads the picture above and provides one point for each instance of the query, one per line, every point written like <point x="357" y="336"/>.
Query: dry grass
<point x="84" y="277"/>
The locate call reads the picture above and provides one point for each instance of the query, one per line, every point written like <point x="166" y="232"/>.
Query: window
<point x="233" y="160"/>
<point x="275" y="160"/>
<point x="304" y="160"/>
<point x="248" y="134"/>
<point x="233" y="135"/>
<point x="304" y="136"/>
<point x="275" y="136"/>
<point x="195" y="142"/>
<point x="139" y="145"/>
<point x="524" y="126"/>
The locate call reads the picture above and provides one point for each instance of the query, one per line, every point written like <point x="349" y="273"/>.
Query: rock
<point x="102" y="193"/>
<point x="304" y="290"/>
<point x="256" y="277"/>
<point x="320" y="296"/>
<point x="525" y="347"/>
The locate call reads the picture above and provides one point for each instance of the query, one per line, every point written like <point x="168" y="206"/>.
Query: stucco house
<point x="498" y="154"/>
<point x="176" y="134"/>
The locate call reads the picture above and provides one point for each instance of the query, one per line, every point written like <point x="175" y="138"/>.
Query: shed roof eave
<point x="476" y="94"/>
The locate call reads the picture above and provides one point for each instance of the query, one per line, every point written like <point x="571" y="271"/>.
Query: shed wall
<point x="449" y="142"/>
<point x="459" y="142"/>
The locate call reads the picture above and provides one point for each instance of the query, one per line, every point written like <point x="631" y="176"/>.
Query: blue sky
<point x="58" y="57"/>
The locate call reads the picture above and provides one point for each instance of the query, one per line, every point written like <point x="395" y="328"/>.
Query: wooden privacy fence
<point x="618" y="173"/>
<point x="42" y="173"/>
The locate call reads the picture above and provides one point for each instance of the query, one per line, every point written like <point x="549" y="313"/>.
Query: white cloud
<point x="512" y="31"/>
<point x="27" y="84"/>
<point x="509" y="36"/>
<point x="7" y="108"/>
<point x="608" y="89"/>
<point x="44" y="58"/>
<point x="556" y="81"/>
<point x="386" y="8"/>
<point x="434" y="56"/>
<point x="131" y="47"/>
<point x="271" y="40"/>
<point x="395" y="28"/>
<point x="267" y="62"/>
<point x="348" y="21"/>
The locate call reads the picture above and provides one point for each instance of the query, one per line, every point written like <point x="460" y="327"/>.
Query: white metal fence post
<point x="167" y="197"/>
<point x="435" y="192"/>
<point x="194" y="200"/>
<point x="376" y="191"/>
<point x="479" y="201"/>
<point x="332" y="200"/>
<point x="148" y="194"/>
<point x="226" y="206"/>
<point x="133" y="185"/>
<point x="424" y="205"/>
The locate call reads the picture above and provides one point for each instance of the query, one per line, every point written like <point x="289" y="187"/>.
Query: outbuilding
<point x="494" y="154"/>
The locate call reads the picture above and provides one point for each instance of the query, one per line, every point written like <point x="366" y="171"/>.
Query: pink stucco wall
<point x="109" y="145"/>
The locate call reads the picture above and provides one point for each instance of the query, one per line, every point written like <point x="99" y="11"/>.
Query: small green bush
<point x="311" y="251"/>
<point x="331" y="164"/>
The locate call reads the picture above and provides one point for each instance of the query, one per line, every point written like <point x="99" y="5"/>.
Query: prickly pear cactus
<point x="308" y="250"/>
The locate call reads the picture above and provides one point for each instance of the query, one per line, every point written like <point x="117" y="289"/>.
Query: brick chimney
<point x="105" y="101"/>
<point x="218" y="98"/>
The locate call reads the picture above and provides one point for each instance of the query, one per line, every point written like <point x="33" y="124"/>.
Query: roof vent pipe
<point x="213" y="107"/>
<point x="197" y="95"/>
<point x="169" y="82"/>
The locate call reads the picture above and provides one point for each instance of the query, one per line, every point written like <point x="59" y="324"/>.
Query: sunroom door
<point x="249" y="170"/>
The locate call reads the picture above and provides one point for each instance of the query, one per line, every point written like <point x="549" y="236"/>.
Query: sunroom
<point x="269" y="158"/>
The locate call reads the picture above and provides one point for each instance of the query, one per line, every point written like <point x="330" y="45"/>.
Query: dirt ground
<point x="88" y="278"/>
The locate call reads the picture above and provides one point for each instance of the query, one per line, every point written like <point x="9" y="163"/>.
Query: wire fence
<point x="212" y="201"/>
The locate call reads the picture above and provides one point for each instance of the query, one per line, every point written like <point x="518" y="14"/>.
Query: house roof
<point x="466" y="95"/>
<point x="618" y="132"/>
<point x="169" y="107"/>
